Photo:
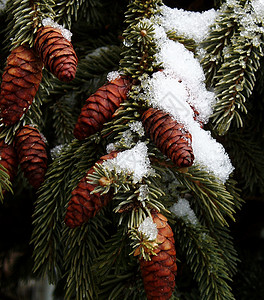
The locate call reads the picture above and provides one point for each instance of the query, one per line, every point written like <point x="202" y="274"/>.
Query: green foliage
<point x="24" y="18"/>
<point x="188" y="43"/>
<point x="205" y="260"/>
<point x="5" y="184"/>
<point x="70" y="166"/>
<point x="247" y="156"/>
<point x="94" y="259"/>
<point x="234" y="49"/>
<point x="82" y="246"/>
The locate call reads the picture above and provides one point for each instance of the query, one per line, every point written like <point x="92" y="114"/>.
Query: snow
<point x="113" y="75"/>
<point x="182" y="209"/>
<point x="127" y="137"/>
<point x="65" y="32"/>
<point x="110" y="147"/>
<point x="56" y="151"/>
<point x="143" y="192"/>
<point x="258" y="6"/>
<point x="149" y="228"/>
<point x="3" y="4"/>
<point x="193" y="25"/>
<point x="137" y="127"/>
<point x="177" y="89"/>
<point x="134" y="161"/>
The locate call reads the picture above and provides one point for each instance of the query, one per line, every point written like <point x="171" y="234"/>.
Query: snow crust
<point x="194" y="25"/>
<point x="65" y="32"/>
<point x="149" y="228"/>
<point x="182" y="209"/>
<point x="134" y="161"/>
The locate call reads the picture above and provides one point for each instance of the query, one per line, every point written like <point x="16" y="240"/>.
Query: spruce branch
<point x="205" y="260"/>
<point x="216" y="42"/>
<point x="138" y="57"/>
<point x="50" y="206"/>
<point x="64" y="9"/>
<point x="82" y="246"/>
<point x="132" y="206"/>
<point x="188" y="43"/>
<point x="237" y="79"/>
<point x="24" y="18"/>
<point x="211" y="196"/>
<point x="113" y="257"/>
<point x="225" y="243"/>
<point x="5" y="184"/>
<point x="64" y="120"/>
<point x="247" y="156"/>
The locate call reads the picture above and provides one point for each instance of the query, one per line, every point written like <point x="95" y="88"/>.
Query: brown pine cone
<point x="20" y="82"/>
<point x="169" y="136"/>
<point x="56" y="52"/>
<point x="8" y="158"/>
<point x="84" y="205"/>
<point x="159" y="273"/>
<point x="100" y="107"/>
<point x="32" y="155"/>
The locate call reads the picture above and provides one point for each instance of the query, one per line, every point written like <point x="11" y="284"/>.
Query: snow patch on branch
<point x="134" y="161"/>
<point x="183" y="209"/>
<point x="193" y="25"/>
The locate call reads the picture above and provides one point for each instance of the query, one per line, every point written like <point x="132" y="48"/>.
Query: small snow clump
<point x="182" y="209"/>
<point x="113" y="75"/>
<point x="65" y="32"/>
<point x="149" y="228"/>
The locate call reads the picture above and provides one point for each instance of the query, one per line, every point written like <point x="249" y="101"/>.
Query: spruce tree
<point x="131" y="137"/>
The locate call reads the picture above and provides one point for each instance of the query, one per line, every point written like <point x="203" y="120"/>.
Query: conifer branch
<point x="248" y="159"/>
<point x="211" y="196"/>
<point x="5" y="184"/>
<point x="24" y="18"/>
<point x="188" y="43"/>
<point x="216" y="42"/>
<point x="50" y="206"/>
<point x="81" y="245"/>
<point x="205" y="260"/>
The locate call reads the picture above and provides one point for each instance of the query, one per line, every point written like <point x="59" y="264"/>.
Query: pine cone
<point x="20" y="82"/>
<point x="84" y="205"/>
<point x="100" y="107"/>
<point x="32" y="154"/>
<point x="8" y="158"/>
<point x="56" y="52"/>
<point x="159" y="273"/>
<point x="170" y="136"/>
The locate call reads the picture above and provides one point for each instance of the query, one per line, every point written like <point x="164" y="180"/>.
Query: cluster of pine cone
<point x="23" y="71"/>
<point x="20" y="83"/>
